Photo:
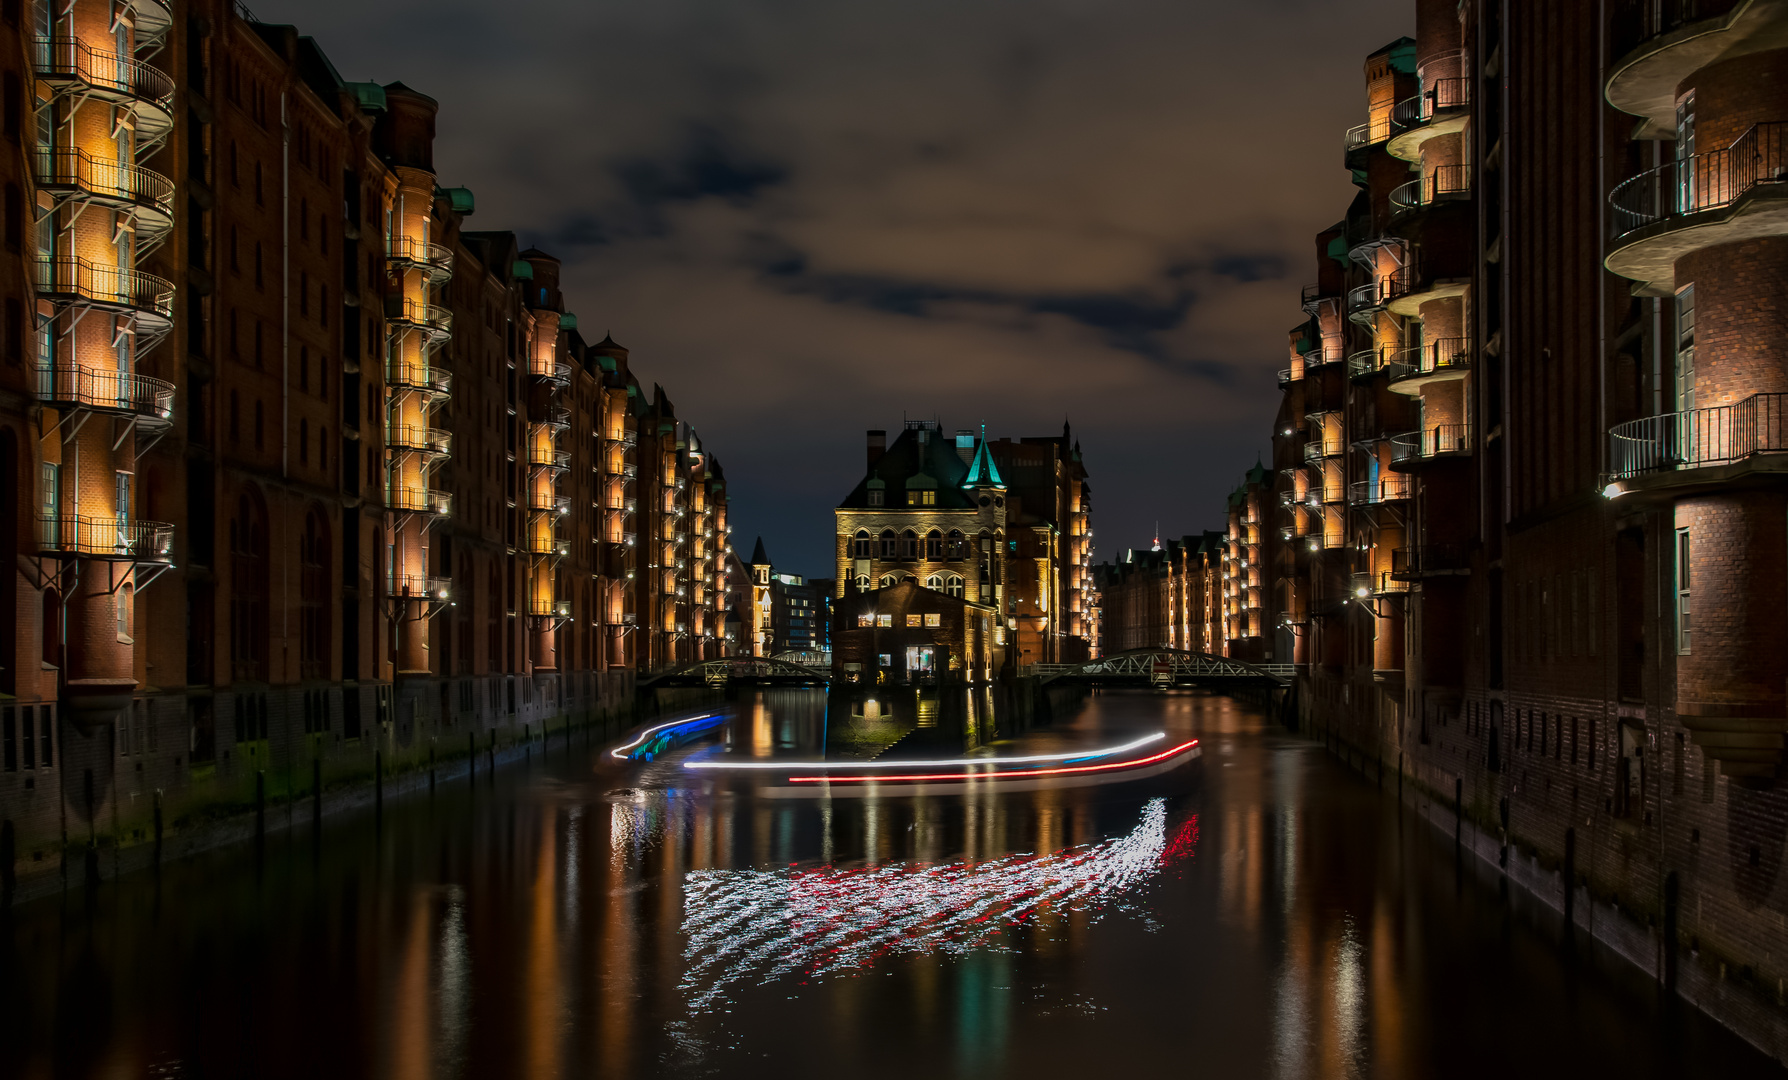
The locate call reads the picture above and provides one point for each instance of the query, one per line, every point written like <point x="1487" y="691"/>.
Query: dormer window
<point x="875" y="497"/>
<point x="927" y="497"/>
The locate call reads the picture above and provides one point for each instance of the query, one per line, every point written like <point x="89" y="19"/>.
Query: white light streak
<point x="926" y="764"/>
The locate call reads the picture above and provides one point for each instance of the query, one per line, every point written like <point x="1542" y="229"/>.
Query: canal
<point x="1258" y="912"/>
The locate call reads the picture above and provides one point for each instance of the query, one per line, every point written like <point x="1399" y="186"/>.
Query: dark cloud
<point x="806" y="217"/>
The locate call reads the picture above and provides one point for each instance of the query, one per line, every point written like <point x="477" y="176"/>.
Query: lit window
<point x="934" y="620"/>
<point x="884" y="620"/>
<point x="912" y="620"/>
<point x="1682" y="590"/>
<point x="866" y="620"/>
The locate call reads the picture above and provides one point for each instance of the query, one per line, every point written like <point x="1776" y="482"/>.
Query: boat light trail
<point x="1078" y="755"/>
<point x="1015" y="774"/>
<point x="667" y="731"/>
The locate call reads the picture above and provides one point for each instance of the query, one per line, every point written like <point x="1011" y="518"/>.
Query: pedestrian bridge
<point x="1169" y="667"/>
<point x="754" y="670"/>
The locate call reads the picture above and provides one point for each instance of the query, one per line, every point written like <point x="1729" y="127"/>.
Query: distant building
<point x="942" y="512"/>
<point x="779" y="614"/>
<point x="907" y="633"/>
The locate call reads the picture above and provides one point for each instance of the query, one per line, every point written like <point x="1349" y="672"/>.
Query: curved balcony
<point x="416" y="500"/>
<point x="544" y="542"/>
<point x="558" y="418"/>
<point x="1656" y="44"/>
<point x="551" y="372"/>
<point x="1388" y="488"/>
<point x="1369" y="133"/>
<point x="1447" y="183"/>
<point x="414" y="439"/>
<point x="152" y="20"/>
<point x="1429" y="560"/>
<point x="434" y="260"/>
<point x="427" y="379"/>
<point x="1287" y="376"/>
<point x="1437" y="360"/>
<point x="1365" y="363"/>
<point x="627" y="437"/>
<point x="1319" y="356"/>
<point x="1364" y="302"/>
<point x="70" y="172"/>
<point x="547" y="502"/>
<point x="1367" y="585"/>
<point x="1414" y="284"/>
<point x="69" y="280"/>
<point x="1318" y="448"/>
<point x="1665" y="213"/>
<point x="110" y="538"/>
<point x="1430" y="443"/>
<point x="431" y="320"/>
<point x="541" y="607"/>
<point x="418" y="587"/>
<point x="76" y="386"/>
<point x="1313" y="299"/>
<point x="1442" y="108"/>
<point x="1701" y="446"/>
<point x="70" y="65"/>
<point x="546" y="457"/>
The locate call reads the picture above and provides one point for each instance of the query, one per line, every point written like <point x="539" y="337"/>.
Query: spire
<point x="1157" y="546"/>
<point x="758" y="556"/>
<point x="982" y="470"/>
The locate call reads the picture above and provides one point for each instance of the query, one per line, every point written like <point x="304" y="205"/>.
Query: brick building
<point x="303" y="469"/>
<point x="907" y="633"/>
<point x="941" y="511"/>
<point x="1527" y="466"/>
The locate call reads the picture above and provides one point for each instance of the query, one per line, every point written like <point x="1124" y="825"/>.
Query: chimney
<point x="965" y="445"/>
<point x="878" y="442"/>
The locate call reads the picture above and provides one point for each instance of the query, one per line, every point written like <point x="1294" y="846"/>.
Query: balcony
<point x="1368" y="362"/>
<point x="1723" y="441"/>
<point x="422" y="378"/>
<point x="1415" y="283"/>
<point x="546" y="457"/>
<point x="70" y="280"/>
<point x="1365" y="301"/>
<point x="153" y="19"/>
<point x="72" y="66"/>
<point x="1313" y="299"/>
<point x="1442" y="108"/>
<point x="1366" y="585"/>
<point x="408" y="438"/>
<point x="1438" y="360"/>
<point x="1683" y="206"/>
<point x="557" y="418"/>
<point x="76" y="386"/>
<point x="1437" y="441"/>
<point x="1447" y="183"/>
<point x="543" y="542"/>
<point x="1287" y="376"/>
<point x="1430" y="560"/>
<point x="432" y="320"/>
<point x="1369" y="133"/>
<point x="545" y="607"/>
<point x="548" y="503"/>
<point x="1321" y="447"/>
<point x="70" y="172"/>
<point x="1655" y="44"/>
<point x="551" y="372"/>
<point x="625" y="437"/>
<point x="434" y="260"/>
<point x="1388" y="488"/>
<point x="418" y="587"/>
<point x="416" y="500"/>
<point x="111" y="538"/>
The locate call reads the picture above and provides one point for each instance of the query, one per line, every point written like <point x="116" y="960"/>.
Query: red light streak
<point x="1015" y="774"/>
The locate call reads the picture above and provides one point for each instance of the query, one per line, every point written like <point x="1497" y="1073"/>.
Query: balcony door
<point x="1685" y="153"/>
<point x="51" y="508"/>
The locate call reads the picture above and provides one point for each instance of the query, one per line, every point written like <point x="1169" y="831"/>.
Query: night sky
<point x="811" y="217"/>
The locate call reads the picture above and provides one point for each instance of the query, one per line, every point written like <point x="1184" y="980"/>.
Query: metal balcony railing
<point x="420" y="440"/>
<point x="1364" y="299"/>
<point x="625" y="437"/>
<point x="418" y="586"/>
<point x="549" y="503"/>
<point x="554" y="372"/>
<point x="81" y="281"/>
<point x="1636" y="22"/>
<point x="424" y="377"/>
<point x="1702" y="437"/>
<point x="629" y="470"/>
<point x="434" y="259"/>
<point x="1372" y="131"/>
<point x="61" y="59"/>
<point x="1412" y="562"/>
<point x="1702" y="182"/>
<point x="77" y="385"/>
<point x="557" y="417"/>
<point x="432" y="319"/>
<point x="1444" y="183"/>
<point x="105" y="537"/>
<point x="1389" y="487"/>
<point x="1432" y="357"/>
<point x="546" y="457"/>
<point x="1368" y="362"/>
<point x="73" y="169"/>
<point x="1289" y="375"/>
<point x="416" y="500"/>
<point x="1442" y="96"/>
<point x="1438" y="440"/>
<point x="548" y="608"/>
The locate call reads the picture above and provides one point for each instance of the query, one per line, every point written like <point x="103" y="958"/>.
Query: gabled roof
<point x="758" y="556"/>
<point x="920" y="463"/>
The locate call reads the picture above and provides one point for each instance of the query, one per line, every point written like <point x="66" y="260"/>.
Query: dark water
<point x="1259" y="913"/>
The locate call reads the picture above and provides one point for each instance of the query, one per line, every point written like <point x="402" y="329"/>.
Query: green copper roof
<point x="982" y="470"/>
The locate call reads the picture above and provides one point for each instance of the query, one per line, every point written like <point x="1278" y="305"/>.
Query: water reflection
<point x="1262" y="915"/>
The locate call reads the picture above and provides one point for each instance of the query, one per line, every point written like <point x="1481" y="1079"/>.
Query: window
<point x="875" y="496"/>
<point x="909" y="544"/>
<point x="934" y="620"/>
<point x="922" y="497"/>
<point x="124" y="613"/>
<point x="953" y="585"/>
<point x="887" y="544"/>
<point x="1685" y="152"/>
<point x="1682" y="591"/>
<point x="860" y="544"/>
<point x="934" y="582"/>
<point x="934" y="546"/>
<point x="957" y="547"/>
<point x="1685" y="350"/>
<point x="913" y="620"/>
<point x="884" y="620"/>
<point x="862" y="581"/>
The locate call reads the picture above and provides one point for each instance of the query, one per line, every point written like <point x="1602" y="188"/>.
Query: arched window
<point x="860" y="545"/>
<point x="887" y="544"/>
<point x="863" y="582"/>
<point x="248" y="588"/>
<point x="909" y="544"/>
<point x="887" y="581"/>
<point x="934" y="582"/>
<point x="953" y="585"/>
<point x="934" y="546"/>
<point x="957" y="548"/>
<point x="313" y="596"/>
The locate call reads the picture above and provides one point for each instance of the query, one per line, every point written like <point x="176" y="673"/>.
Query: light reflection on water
<point x="579" y="918"/>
